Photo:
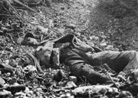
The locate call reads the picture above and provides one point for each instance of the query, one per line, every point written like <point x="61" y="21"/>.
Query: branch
<point x="23" y="5"/>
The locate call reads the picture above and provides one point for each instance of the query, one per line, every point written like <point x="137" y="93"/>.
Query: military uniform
<point x="81" y="64"/>
<point x="87" y="61"/>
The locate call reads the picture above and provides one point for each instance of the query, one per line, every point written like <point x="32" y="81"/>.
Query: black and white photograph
<point x="68" y="48"/>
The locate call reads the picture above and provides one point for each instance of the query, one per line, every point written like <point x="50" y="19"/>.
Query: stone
<point x="94" y="38"/>
<point x="103" y="36"/>
<point x="50" y="24"/>
<point x="109" y="47"/>
<point x="30" y="68"/>
<point x="5" y="94"/>
<point x="70" y="84"/>
<point x="73" y="78"/>
<point x="103" y="44"/>
<point x="2" y="82"/>
<point x="42" y="29"/>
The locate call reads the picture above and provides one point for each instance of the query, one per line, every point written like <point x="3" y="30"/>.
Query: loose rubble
<point x="29" y="27"/>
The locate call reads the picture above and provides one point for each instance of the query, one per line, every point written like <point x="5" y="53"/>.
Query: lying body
<point x="82" y="64"/>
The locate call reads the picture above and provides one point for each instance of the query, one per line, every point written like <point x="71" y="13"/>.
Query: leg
<point x="86" y="70"/>
<point x="117" y="61"/>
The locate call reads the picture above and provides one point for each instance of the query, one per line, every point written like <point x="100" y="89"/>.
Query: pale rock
<point x="5" y="94"/>
<point x="125" y="94"/>
<point x="103" y="44"/>
<point x="7" y="62"/>
<point x="116" y="49"/>
<point x="19" y="94"/>
<point x="94" y="38"/>
<point x="6" y="85"/>
<point x="2" y="82"/>
<point x="67" y="95"/>
<point x="94" y="89"/>
<point x="20" y="40"/>
<point x="42" y="29"/>
<point x="103" y="36"/>
<point x="61" y="30"/>
<point x="32" y="41"/>
<point x="28" y="91"/>
<point x="71" y="25"/>
<point x="73" y="78"/>
<point x="8" y="74"/>
<point x="34" y="21"/>
<point x="101" y="33"/>
<point x="70" y="84"/>
<point x="109" y="47"/>
<point x="39" y="89"/>
<point x="11" y="48"/>
<point x="50" y="24"/>
<point x="30" y="68"/>
<point x="78" y="34"/>
<point x="16" y="84"/>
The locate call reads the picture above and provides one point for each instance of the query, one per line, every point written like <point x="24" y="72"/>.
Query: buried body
<point x="86" y="61"/>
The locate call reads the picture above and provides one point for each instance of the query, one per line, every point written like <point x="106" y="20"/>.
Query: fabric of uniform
<point x="81" y="64"/>
<point x="80" y="67"/>
<point x="117" y="61"/>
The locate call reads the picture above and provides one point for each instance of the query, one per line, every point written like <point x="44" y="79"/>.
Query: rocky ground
<point x="23" y="29"/>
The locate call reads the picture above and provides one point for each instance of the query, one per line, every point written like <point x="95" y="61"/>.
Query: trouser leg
<point x="86" y="70"/>
<point x="133" y="63"/>
<point x="117" y="61"/>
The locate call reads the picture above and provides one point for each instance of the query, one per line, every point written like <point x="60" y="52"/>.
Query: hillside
<point x="26" y="25"/>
